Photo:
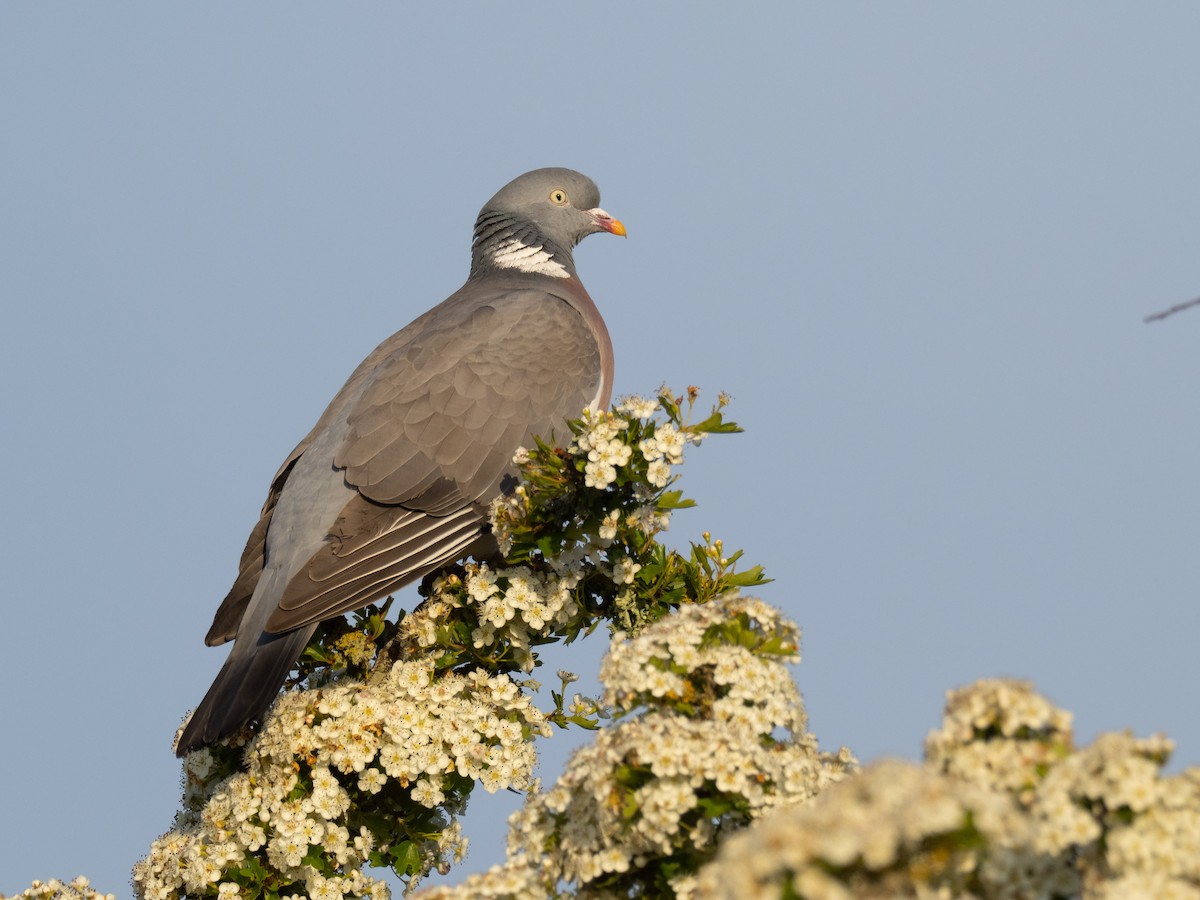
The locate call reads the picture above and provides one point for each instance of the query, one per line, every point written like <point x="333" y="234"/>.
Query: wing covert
<point x="442" y="415"/>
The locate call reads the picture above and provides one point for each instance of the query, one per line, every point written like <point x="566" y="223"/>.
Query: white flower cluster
<point x="754" y="693"/>
<point x="517" y="879"/>
<point x="601" y="443"/>
<point x="638" y="407"/>
<point x="77" y="889"/>
<point x="1163" y="842"/>
<point x="1109" y="806"/>
<point x="873" y="836"/>
<point x="351" y="740"/>
<point x="602" y="446"/>
<point x="670" y="782"/>
<point x="999" y="733"/>
<point x="514" y="605"/>
<point x="598" y="825"/>
<point x="606" y="445"/>
<point x="1093" y="818"/>
<point x="663" y="450"/>
<point x="1004" y="808"/>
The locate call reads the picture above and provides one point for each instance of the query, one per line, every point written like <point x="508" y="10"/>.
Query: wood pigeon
<point x="395" y="479"/>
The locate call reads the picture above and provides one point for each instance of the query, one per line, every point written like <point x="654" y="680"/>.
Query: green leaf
<point x="750" y="578"/>
<point x="316" y="858"/>
<point x="251" y="877"/>
<point x="317" y="654"/>
<point x="406" y="858"/>
<point x="715" y="424"/>
<point x="630" y="808"/>
<point x="674" y="500"/>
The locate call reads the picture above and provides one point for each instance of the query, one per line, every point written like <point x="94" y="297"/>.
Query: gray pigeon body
<point x="395" y="479"/>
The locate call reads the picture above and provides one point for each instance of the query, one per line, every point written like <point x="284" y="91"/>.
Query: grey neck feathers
<point x="503" y="242"/>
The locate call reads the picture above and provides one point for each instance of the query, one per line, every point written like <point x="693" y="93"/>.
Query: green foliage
<point x="557" y="512"/>
<point x="346" y="646"/>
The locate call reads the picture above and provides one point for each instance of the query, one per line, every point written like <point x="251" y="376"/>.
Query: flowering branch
<point x="1005" y="807"/>
<point x="371" y="753"/>
<point x="704" y="783"/>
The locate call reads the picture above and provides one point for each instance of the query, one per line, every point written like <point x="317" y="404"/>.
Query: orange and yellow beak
<point x="607" y="222"/>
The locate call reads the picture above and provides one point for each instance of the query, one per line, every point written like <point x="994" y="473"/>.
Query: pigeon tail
<point x="244" y="689"/>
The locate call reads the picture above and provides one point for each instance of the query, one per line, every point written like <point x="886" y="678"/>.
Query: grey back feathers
<point x="395" y="479"/>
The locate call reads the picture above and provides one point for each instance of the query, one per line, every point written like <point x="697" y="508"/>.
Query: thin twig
<point x="1178" y="307"/>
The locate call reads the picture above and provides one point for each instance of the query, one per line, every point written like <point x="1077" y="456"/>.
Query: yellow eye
<point x="558" y="197"/>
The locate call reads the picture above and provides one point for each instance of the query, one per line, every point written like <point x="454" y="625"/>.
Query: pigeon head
<point x="533" y="223"/>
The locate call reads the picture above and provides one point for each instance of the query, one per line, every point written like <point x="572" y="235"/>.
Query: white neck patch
<point x="513" y="253"/>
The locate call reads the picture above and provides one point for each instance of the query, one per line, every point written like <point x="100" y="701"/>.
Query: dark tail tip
<point x="243" y="690"/>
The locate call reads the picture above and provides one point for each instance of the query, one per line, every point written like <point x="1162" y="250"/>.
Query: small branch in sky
<point x="1178" y="307"/>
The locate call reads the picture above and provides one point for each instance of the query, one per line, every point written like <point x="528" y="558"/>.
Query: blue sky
<point x="915" y="242"/>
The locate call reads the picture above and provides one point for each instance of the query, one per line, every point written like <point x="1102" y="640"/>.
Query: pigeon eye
<point x="558" y="197"/>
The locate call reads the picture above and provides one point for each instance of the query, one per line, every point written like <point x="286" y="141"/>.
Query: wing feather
<point x="432" y="420"/>
<point x="518" y="364"/>
<point x="341" y="575"/>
